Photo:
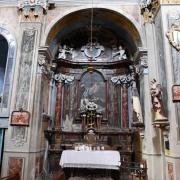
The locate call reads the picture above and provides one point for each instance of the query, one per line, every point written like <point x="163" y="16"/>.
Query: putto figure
<point x="62" y="51"/>
<point x="120" y="53"/>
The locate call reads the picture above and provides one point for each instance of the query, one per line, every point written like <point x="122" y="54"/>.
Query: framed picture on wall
<point x="20" y="118"/>
<point x="176" y="93"/>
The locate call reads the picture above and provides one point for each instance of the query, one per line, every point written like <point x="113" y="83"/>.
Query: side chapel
<point x="89" y="89"/>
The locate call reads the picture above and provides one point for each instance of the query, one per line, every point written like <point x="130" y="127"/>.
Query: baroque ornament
<point x="36" y="6"/>
<point x="92" y="50"/>
<point x="149" y="9"/>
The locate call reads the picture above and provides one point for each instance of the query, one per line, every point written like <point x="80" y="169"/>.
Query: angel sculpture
<point x="120" y="53"/>
<point x="62" y="51"/>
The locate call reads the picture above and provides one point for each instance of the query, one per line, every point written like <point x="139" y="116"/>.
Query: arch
<point x="118" y="11"/>
<point x="10" y="63"/>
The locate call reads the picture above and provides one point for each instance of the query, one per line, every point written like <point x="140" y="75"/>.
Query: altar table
<point x="90" y="159"/>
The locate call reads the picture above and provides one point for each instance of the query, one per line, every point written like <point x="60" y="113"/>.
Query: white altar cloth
<point x="90" y="159"/>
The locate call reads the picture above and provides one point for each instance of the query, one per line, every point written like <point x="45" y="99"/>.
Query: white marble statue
<point x="62" y="51"/>
<point x="120" y="53"/>
<point x="68" y="123"/>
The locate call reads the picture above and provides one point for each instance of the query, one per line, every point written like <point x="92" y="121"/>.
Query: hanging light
<point x="92" y="13"/>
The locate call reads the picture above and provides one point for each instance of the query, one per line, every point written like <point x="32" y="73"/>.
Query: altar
<point x="90" y="159"/>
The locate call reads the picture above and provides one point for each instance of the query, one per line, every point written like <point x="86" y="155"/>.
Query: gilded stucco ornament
<point x="174" y="36"/>
<point x="149" y="9"/>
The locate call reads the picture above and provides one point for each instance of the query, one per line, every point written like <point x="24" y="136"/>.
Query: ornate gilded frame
<point x="170" y="35"/>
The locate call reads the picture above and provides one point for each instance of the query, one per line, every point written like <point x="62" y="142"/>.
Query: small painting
<point x="20" y="118"/>
<point x="176" y="93"/>
<point x="15" y="166"/>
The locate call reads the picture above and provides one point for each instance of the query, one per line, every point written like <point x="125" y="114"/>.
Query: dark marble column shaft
<point x="125" y="116"/>
<point x="58" y="105"/>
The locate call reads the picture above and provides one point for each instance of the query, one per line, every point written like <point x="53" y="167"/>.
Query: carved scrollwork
<point x="63" y="78"/>
<point x="174" y="36"/>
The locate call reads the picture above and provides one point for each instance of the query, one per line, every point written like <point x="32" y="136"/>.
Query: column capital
<point x="33" y="7"/>
<point x="122" y="80"/>
<point x="62" y="78"/>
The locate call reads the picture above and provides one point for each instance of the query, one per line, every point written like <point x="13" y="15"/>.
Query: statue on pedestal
<point x="156" y="97"/>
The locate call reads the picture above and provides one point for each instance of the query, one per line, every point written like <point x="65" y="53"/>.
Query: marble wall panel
<point x="24" y="79"/>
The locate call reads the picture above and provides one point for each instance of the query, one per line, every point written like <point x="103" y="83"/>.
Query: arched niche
<point x="114" y="28"/>
<point x="9" y="51"/>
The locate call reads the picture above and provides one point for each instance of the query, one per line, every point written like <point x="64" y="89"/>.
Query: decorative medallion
<point x="92" y="50"/>
<point x="174" y="36"/>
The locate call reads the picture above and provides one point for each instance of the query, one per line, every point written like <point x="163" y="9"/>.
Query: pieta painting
<point x="92" y="89"/>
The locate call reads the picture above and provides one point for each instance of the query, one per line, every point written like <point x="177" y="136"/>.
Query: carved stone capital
<point x="62" y="78"/>
<point x="33" y="7"/>
<point x="122" y="80"/>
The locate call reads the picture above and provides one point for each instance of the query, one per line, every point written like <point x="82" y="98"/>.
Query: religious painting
<point x="170" y="171"/>
<point x="15" y="166"/>
<point x="20" y="118"/>
<point x="92" y="89"/>
<point x="176" y="93"/>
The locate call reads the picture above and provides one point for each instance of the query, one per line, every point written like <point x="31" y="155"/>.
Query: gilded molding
<point x="170" y="1"/>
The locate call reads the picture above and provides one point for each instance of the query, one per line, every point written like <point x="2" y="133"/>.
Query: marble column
<point x="124" y="81"/>
<point x="58" y="110"/>
<point x="60" y="80"/>
<point x="125" y="116"/>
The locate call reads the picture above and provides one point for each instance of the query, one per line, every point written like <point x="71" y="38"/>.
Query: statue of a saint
<point x="120" y="53"/>
<point x="156" y="97"/>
